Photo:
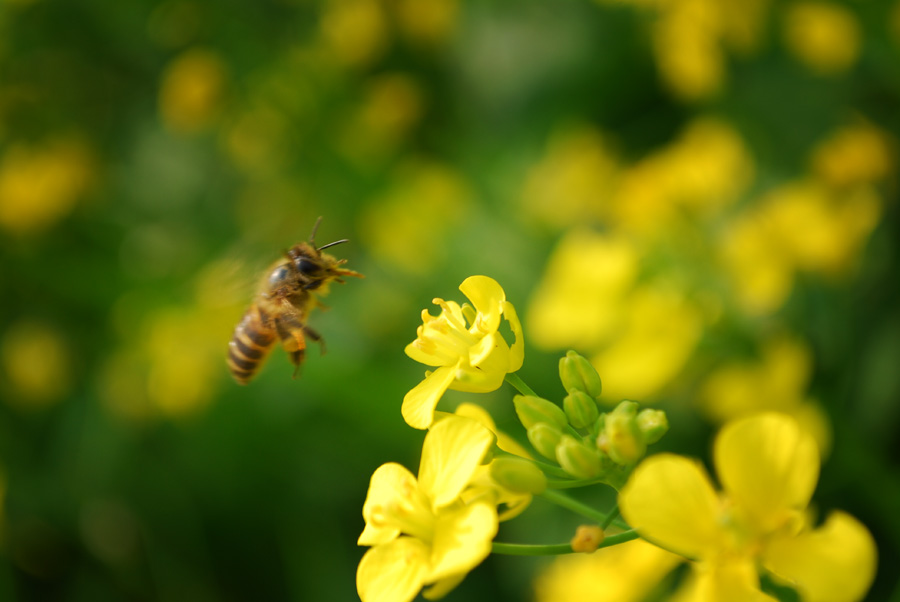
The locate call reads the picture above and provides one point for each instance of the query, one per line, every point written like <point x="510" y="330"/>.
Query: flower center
<point x="409" y="512"/>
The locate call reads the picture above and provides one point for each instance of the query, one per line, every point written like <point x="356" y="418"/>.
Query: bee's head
<point x="313" y="268"/>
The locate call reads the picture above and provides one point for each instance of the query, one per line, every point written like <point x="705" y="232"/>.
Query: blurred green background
<point x="700" y="196"/>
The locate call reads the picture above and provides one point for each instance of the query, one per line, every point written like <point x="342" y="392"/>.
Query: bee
<point x="290" y="291"/>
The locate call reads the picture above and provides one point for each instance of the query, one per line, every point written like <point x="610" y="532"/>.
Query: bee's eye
<point x="308" y="268"/>
<point x="278" y="276"/>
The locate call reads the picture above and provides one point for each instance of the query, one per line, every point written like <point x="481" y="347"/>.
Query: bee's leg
<point x="290" y="330"/>
<point x="316" y="337"/>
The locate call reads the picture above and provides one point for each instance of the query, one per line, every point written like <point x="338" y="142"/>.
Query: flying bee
<point x="281" y="309"/>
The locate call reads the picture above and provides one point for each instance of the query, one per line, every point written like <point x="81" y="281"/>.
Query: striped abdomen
<point x="252" y="340"/>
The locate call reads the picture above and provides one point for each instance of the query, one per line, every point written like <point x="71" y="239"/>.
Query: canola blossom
<point x="465" y="346"/>
<point x="768" y="468"/>
<point x="421" y="530"/>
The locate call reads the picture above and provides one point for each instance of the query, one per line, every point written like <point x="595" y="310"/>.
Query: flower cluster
<point x="429" y="531"/>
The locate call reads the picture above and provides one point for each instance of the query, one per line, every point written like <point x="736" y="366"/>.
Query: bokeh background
<point x="700" y="196"/>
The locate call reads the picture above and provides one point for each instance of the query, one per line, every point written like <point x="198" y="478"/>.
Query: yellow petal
<point x="385" y="486"/>
<point x="731" y="582"/>
<point x="452" y="451"/>
<point x="834" y="563"/>
<point x="474" y="380"/>
<point x="517" y="350"/>
<point x="486" y="295"/>
<point x="462" y="539"/>
<point x="671" y="502"/>
<point x="415" y="351"/>
<point x="418" y="405"/>
<point x="504" y="441"/>
<point x="443" y="587"/>
<point x="393" y="572"/>
<point x="490" y="354"/>
<point x="768" y="466"/>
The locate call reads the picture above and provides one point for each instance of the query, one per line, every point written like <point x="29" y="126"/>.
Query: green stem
<point x="561" y="499"/>
<point x="515" y="549"/>
<point x="514" y="379"/>
<point x="571" y="484"/>
<point x="610" y="517"/>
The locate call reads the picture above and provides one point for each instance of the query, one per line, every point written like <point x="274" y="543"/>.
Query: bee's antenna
<point x="312" y="236"/>
<point x="331" y="244"/>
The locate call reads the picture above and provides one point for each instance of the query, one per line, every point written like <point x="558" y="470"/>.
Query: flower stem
<point x="516" y="549"/>
<point x="561" y="499"/>
<point x="613" y="513"/>
<point x="571" y="484"/>
<point x="516" y="381"/>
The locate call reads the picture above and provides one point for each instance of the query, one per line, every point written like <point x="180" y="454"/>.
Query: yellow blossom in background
<point x="573" y="180"/>
<point x="391" y="105"/>
<point x="768" y="468"/>
<point x="41" y="184"/>
<point x="355" y="31"/>
<point x="777" y="381"/>
<point x="430" y="22"/>
<point x="687" y="48"/>
<point x="192" y="90"/>
<point x="704" y="171"/>
<point x="822" y="35"/>
<point x="420" y="530"/>
<point x="743" y="24"/>
<point x="407" y="227"/>
<point x="580" y="297"/>
<point x="626" y="572"/>
<point x="256" y="140"/>
<point x="465" y="346"/>
<point x="36" y="364"/>
<point x="657" y="336"/>
<point x="857" y="154"/>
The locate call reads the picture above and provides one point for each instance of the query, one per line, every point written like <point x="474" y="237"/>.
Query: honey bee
<point x="281" y="308"/>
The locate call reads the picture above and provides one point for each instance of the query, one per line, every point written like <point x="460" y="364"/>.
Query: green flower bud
<point x="544" y="437"/>
<point x="578" y="459"/>
<point x="580" y="408"/>
<point x="534" y="410"/>
<point x="621" y="438"/>
<point x="577" y="373"/>
<point x="518" y="475"/>
<point x="653" y="424"/>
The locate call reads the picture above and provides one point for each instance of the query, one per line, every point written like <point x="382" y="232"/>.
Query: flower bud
<point x="577" y="373"/>
<point x="587" y="539"/>
<point x="518" y="475"/>
<point x="578" y="459"/>
<point x="621" y="438"/>
<point x="580" y="408"/>
<point x="653" y="424"/>
<point x="534" y="410"/>
<point x="544" y="437"/>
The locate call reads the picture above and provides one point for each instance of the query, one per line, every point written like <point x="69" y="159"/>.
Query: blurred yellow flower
<point x="421" y="531"/>
<point x="768" y="468"/>
<point x="37" y="365"/>
<point x="39" y="185"/>
<point x="688" y="50"/>
<point x="626" y="572"/>
<point x="580" y="297"/>
<point x="408" y="226"/>
<point x="572" y="181"/>
<point x="356" y="31"/>
<point x="468" y="358"/>
<point x="777" y="381"/>
<point x="822" y="35"/>
<point x="429" y="22"/>
<point x="657" y="336"/>
<point x="800" y="225"/>
<point x="192" y="90"/>
<point x="857" y="154"/>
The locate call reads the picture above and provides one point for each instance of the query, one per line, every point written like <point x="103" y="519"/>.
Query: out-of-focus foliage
<point x="699" y="196"/>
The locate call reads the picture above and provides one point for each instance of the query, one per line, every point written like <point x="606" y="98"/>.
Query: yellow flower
<point x="472" y="358"/>
<point x="624" y="573"/>
<point x="824" y="36"/>
<point x="421" y="531"/>
<point x="192" y="90"/>
<point x="768" y="468"/>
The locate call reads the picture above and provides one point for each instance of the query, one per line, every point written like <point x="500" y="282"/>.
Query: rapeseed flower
<point x="421" y="529"/>
<point x="465" y="346"/>
<point x="768" y="468"/>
